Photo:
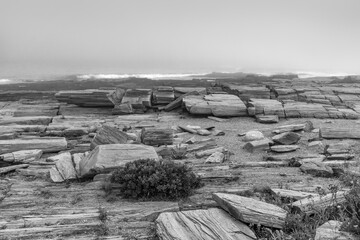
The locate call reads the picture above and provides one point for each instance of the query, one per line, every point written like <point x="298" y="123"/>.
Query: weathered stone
<point x="331" y="230"/>
<point x="46" y="144"/>
<point x="317" y="169"/>
<point x="157" y="136"/>
<point x="108" y="135"/>
<point x="251" y="210"/>
<point x="253" y="136"/>
<point x="218" y="133"/>
<point x="203" y="132"/>
<point x="36" y="120"/>
<point x="65" y="168"/>
<point x="61" y="156"/>
<point x="75" y="132"/>
<point x="209" y="152"/>
<point x="207" y="224"/>
<point x="24" y="156"/>
<point x="267" y="118"/>
<point x="216" y="157"/>
<point x="262" y="144"/>
<point x="105" y="158"/>
<point x="286" y="138"/>
<point x="284" y="148"/>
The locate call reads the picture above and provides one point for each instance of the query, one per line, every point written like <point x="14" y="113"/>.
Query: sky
<point x="178" y="36"/>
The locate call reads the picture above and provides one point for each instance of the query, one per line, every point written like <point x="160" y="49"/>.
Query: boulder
<point x="105" y="158"/>
<point x="286" y="138"/>
<point x="212" y="223"/>
<point x="318" y="169"/>
<point x="108" y="135"/>
<point x="64" y="169"/>
<point x="253" y="136"/>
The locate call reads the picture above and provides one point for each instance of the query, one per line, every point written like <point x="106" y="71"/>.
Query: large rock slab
<point x="207" y="224"/>
<point x="340" y="133"/>
<point x="46" y="144"/>
<point x="108" y="135"/>
<point x="86" y="98"/>
<point x="36" y="120"/>
<point x="23" y="156"/>
<point x="105" y="158"/>
<point x="331" y="230"/>
<point x="251" y="210"/>
<point x="220" y="105"/>
<point x="22" y="128"/>
<point x="317" y="169"/>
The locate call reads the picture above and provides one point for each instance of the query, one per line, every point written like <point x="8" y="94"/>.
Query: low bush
<point x="150" y="179"/>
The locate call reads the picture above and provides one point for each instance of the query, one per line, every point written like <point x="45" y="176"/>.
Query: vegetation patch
<point x="150" y="179"/>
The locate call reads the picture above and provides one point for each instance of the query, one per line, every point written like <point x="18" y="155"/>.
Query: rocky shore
<point x="291" y="137"/>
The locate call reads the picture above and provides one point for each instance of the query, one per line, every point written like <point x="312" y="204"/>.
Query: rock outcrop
<point x="105" y="158"/>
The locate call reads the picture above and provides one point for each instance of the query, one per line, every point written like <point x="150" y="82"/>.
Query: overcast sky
<point x="169" y="36"/>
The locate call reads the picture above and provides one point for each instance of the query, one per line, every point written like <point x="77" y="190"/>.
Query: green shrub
<point x="150" y="179"/>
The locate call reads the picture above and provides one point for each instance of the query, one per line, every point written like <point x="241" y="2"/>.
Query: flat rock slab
<point x="318" y="169"/>
<point x="210" y="224"/>
<point x="267" y="119"/>
<point x="340" y="133"/>
<point x="286" y="138"/>
<point x="289" y="128"/>
<point x="108" y="135"/>
<point x="251" y="210"/>
<point x="24" y="156"/>
<point x="284" y="148"/>
<point x="219" y="105"/>
<point x="21" y="128"/>
<point x="331" y="230"/>
<point x="319" y="203"/>
<point x="46" y="144"/>
<point x="36" y="120"/>
<point x="105" y="158"/>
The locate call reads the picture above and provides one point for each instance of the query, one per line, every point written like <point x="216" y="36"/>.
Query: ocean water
<point x="154" y="76"/>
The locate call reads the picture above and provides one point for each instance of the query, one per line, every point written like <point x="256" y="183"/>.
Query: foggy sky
<point x="170" y="36"/>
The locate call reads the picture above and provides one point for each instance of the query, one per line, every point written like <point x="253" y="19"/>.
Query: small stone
<point x="191" y="140"/>
<point x="253" y="136"/>
<point x="193" y="127"/>
<point x="218" y="133"/>
<point x="216" y="157"/>
<point x="203" y="132"/>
